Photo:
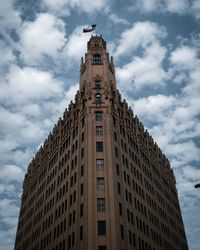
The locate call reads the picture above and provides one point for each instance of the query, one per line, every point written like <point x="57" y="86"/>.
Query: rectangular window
<point x="97" y="84"/>
<point x="122" y="231"/>
<point x="117" y="169"/>
<point x="96" y="59"/>
<point x="101" y="227"/>
<point x="101" y="205"/>
<point x="102" y="247"/>
<point x="116" y="152"/>
<point x="98" y="116"/>
<point x="130" y="237"/>
<point x="99" y="164"/>
<point x="81" y="233"/>
<point x="82" y="152"/>
<point x="82" y="121"/>
<point x="128" y="215"/>
<point x="74" y="216"/>
<point x="120" y="208"/>
<point x="119" y="188"/>
<point x="100" y="184"/>
<point x="73" y="239"/>
<point x="82" y="170"/>
<point x="81" y="210"/>
<point x="69" y="241"/>
<point x="81" y="188"/>
<point x="115" y="136"/>
<point x="99" y="146"/>
<point x="82" y="137"/>
<point x="99" y="130"/>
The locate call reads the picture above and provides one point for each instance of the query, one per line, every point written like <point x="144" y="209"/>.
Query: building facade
<point x="99" y="182"/>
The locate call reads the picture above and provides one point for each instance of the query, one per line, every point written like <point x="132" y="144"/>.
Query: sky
<point x="156" y="50"/>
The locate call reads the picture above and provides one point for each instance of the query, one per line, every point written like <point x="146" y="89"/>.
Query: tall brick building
<point x="99" y="182"/>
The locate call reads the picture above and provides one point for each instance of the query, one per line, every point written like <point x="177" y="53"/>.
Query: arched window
<point x="98" y="98"/>
<point x="96" y="59"/>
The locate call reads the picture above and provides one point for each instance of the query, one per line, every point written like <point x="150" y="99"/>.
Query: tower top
<point x="97" y="66"/>
<point x="96" y="42"/>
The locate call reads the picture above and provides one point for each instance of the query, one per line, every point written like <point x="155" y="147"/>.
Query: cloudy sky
<point x="156" y="49"/>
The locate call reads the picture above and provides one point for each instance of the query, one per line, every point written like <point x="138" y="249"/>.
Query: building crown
<point x="96" y="42"/>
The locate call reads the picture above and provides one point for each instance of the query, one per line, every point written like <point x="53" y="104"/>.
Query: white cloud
<point x="196" y="8"/>
<point x="31" y="110"/>
<point x="185" y="62"/>
<point x="147" y="5"/>
<point x="116" y="19"/>
<point x="187" y="151"/>
<point x="11" y="173"/>
<point x="58" y="109"/>
<point x="8" y="219"/>
<point x="184" y="57"/>
<point x="10" y="17"/>
<point x="7" y="189"/>
<point x="8" y="209"/>
<point x="174" y="119"/>
<point x="9" y="119"/>
<point x="44" y="36"/>
<point x="144" y="71"/>
<point x="154" y="107"/>
<point x="18" y="130"/>
<point x="6" y="54"/>
<point x="172" y="6"/>
<point x="74" y="53"/>
<point x="191" y="173"/>
<point x="28" y="84"/>
<point x="193" y="89"/>
<point x="177" y="6"/>
<point x="88" y="6"/>
<point x="142" y="34"/>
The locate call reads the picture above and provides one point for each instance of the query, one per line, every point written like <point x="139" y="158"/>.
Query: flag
<point x="89" y="29"/>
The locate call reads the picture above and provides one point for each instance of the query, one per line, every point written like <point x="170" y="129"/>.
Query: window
<point x="81" y="210"/>
<point x="74" y="216"/>
<point x="101" y="205"/>
<point x="130" y="237"/>
<point x="119" y="188"/>
<point x="99" y="130"/>
<point x="117" y="169"/>
<point x="101" y="227"/>
<point x="82" y="121"/>
<point x="96" y="59"/>
<point x="99" y="146"/>
<point x="100" y="184"/>
<point x="122" y="231"/>
<point x="98" y="116"/>
<point x="116" y="152"/>
<point x="81" y="188"/>
<point x="120" y="208"/>
<point x="82" y="137"/>
<point x="115" y="136"/>
<point x="97" y="84"/>
<point x="102" y="247"/>
<point x="98" y="98"/>
<point x="128" y="215"/>
<point x="73" y="239"/>
<point x="69" y="241"/>
<point x="99" y="164"/>
<point x="81" y="232"/>
<point x="82" y="170"/>
<point x="82" y="152"/>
